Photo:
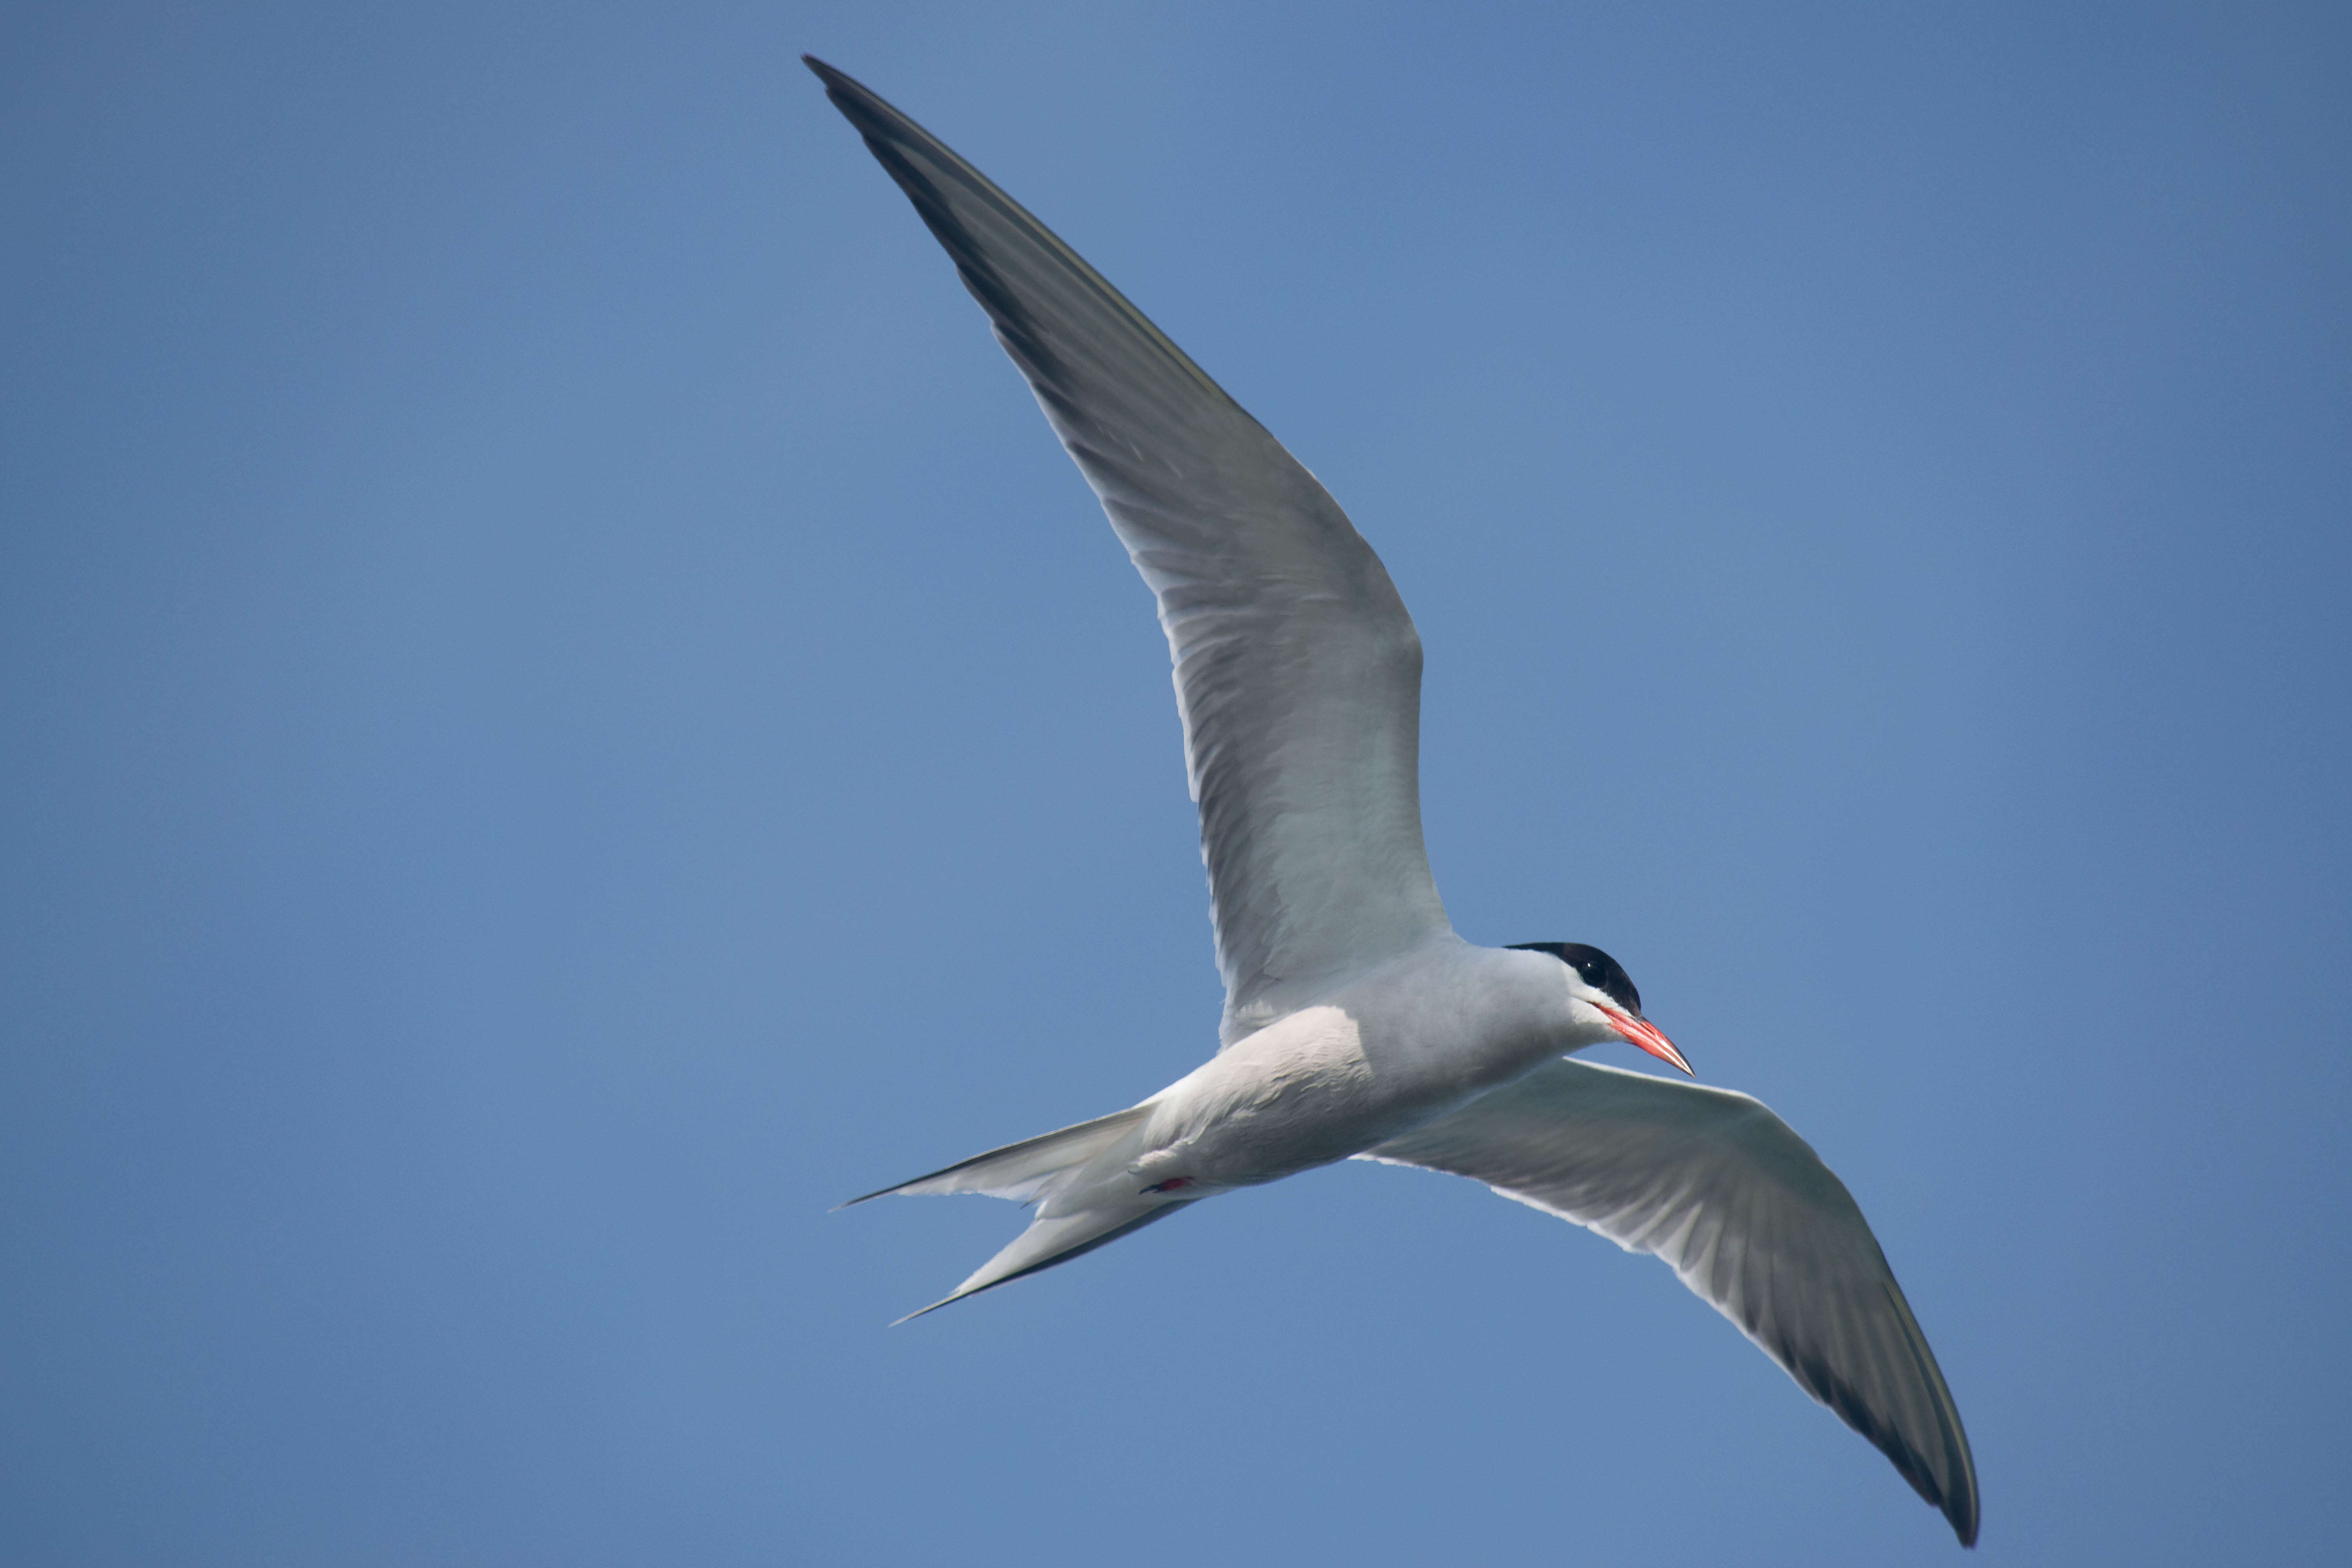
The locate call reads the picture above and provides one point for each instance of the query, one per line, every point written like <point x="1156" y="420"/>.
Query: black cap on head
<point x="1594" y="967"/>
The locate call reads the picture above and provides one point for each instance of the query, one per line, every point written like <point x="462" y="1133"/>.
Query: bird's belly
<point x="1307" y="1091"/>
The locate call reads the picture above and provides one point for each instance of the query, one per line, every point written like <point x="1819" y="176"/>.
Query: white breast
<point x="1403" y="1043"/>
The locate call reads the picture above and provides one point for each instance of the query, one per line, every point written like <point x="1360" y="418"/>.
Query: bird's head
<point x="1600" y="983"/>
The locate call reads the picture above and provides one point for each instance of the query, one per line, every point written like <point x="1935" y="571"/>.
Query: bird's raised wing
<point x="1297" y="670"/>
<point x="1721" y="1188"/>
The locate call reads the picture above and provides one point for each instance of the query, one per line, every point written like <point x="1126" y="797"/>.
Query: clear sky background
<point x="563" y="711"/>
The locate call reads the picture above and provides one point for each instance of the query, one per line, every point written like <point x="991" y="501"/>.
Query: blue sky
<point x="564" y="712"/>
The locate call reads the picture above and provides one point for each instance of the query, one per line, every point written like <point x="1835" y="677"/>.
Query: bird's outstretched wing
<point x="1298" y="670"/>
<point x="1744" y="1211"/>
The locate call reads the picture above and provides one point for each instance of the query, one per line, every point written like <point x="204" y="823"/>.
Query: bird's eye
<point x="1604" y="974"/>
<point x="1595" y="968"/>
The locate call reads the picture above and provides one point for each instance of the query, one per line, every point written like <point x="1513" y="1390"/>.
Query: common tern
<point x="1357" y="1024"/>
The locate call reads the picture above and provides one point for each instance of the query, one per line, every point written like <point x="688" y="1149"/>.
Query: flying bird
<point x="1357" y="1024"/>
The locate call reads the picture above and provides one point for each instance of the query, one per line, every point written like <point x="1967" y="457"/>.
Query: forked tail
<point x="1078" y="1177"/>
<point x="1026" y="1171"/>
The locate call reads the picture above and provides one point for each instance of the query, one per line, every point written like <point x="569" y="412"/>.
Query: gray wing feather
<point x="1745" y="1213"/>
<point x="1297" y="670"/>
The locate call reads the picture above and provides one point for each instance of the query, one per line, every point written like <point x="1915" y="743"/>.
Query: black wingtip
<point x="877" y="1193"/>
<point x="862" y="105"/>
<point x="833" y="79"/>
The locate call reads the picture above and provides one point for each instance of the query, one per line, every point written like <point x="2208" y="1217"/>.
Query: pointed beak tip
<point x="1675" y="1059"/>
<point x="1640" y="1031"/>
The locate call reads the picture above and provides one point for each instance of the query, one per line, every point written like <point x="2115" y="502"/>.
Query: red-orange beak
<point x="1644" y="1034"/>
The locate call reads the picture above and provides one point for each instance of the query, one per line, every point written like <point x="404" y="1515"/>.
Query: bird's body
<point x="1357" y="1023"/>
<point x="1388" y="1051"/>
